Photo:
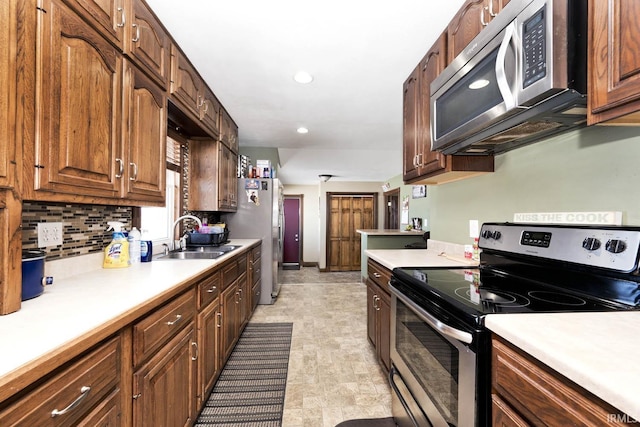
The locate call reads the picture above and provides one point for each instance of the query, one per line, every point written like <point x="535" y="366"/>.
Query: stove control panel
<point x="614" y="248"/>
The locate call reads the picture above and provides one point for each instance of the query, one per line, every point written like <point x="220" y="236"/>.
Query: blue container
<point x="146" y="250"/>
<point x="33" y="278"/>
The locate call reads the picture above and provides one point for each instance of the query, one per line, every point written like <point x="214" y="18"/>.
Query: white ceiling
<point x="359" y="52"/>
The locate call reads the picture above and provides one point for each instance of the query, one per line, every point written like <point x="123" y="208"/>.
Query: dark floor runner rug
<point x="250" y="389"/>
<point x="369" y="422"/>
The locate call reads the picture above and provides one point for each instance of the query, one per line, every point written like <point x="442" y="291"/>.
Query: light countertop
<point x="392" y="258"/>
<point x="387" y="232"/>
<point x="598" y="351"/>
<point x="82" y="305"/>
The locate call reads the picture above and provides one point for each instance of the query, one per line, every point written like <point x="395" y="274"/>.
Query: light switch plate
<point x="49" y="234"/>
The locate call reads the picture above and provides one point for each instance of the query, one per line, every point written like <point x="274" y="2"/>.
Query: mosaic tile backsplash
<point x="85" y="226"/>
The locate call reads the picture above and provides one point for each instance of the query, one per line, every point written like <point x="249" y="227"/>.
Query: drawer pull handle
<point x="195" y="346"/>
<point x="212" y="289"/>
<point x="173" y="322"/>
<point x="377" y="275"/>
<point x="84" y="392"/>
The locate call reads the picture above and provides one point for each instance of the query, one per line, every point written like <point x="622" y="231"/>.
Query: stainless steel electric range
<point x="440" y="348"/>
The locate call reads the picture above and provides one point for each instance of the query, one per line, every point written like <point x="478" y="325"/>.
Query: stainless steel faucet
<point x="183" y="217"/>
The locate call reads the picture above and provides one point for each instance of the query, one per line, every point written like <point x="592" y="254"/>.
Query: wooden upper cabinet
<point x="78" y="105"/>
<point x="9" y="157"/>
<point x="148" y="43"/>
<point x="614" y="64"/>
<point x="210" y="110"/>
<point x="472" y="17"/>
<point x="421" y="165"/>
<point x="410" y="125"/>
<point x="229" y="131"/>
<point x="191" y="94"/>
<point x="145" y="115"/>
<point x="107" y="16"/>
<point x="212" y="177"/>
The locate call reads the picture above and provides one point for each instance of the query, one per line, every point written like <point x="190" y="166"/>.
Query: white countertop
<point x="392" y="258"/>
<point x="387" y="232"/>
<point x="598" y="351"/>
<point x="77" y="306"/>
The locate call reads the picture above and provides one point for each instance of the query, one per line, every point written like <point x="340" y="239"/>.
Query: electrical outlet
<point x="49" y="234"/>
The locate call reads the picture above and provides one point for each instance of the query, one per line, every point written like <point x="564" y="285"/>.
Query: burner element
<point x="491" y="297"/>
<point x="557" y="298"/>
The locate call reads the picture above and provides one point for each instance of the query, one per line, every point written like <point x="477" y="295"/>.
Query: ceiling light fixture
<point x="303" y="77"/>
<point x="325" y="177"/>
<point x="303" y="130"/>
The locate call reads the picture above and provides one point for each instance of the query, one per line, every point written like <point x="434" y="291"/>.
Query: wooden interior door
<point x="392" y="209"/>
<point x="346" y="214"/>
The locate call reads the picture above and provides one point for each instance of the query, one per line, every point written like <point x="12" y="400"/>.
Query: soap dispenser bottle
<point x="116" y="254"/>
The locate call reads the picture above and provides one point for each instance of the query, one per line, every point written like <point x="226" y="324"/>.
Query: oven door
<point x="433" y="373"/>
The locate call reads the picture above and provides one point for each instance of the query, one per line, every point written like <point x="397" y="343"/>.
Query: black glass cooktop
<point x="477" y="292"/>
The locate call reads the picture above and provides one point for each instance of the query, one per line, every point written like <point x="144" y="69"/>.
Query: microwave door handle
<point x="501" y="76"/>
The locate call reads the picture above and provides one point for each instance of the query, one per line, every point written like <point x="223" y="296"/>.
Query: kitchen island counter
<point x="597" y="351"/>
<point x="392" y="258"/>
<point x="80" y="310"/>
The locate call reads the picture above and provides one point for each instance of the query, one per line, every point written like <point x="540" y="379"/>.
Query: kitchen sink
<point x="199" y="252"/>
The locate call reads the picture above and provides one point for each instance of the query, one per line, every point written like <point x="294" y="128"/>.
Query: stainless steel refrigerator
<point x="260" y="216"/>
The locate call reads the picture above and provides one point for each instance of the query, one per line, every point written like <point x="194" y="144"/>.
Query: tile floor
<point x="333" y="372"/>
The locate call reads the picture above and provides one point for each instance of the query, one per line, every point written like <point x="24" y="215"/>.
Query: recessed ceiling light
<point x="303" y="77"/>
<point x="303" y="130"/>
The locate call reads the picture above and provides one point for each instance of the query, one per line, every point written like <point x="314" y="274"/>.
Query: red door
<point x="292" y="236"/>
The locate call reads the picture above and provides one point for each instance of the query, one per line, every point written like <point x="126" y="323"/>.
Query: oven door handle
<point x="392" y="373"/>
<point x="441" y="327"/>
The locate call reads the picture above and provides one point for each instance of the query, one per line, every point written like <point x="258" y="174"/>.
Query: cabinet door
<point x="432" y="64"/>
<point x="107" y="414"/>
<point x="149" y="43"/>
<point x="229" y="131"/>
<point x="77" y="104"/>
<point x="210" y="110"/>
<point x="185" y="84"/>
<point x="229" y="320"/>
<point x="384" y="330"/>
<point x="614" y="64"/>
<point x="204" y="184"/>
<point x="410" y="126"/>
<point x="372" y="303"/>
<point x="465" y="25"/>
<point x="145" y="113"/>
<point x="8" y="73"/>
<point x="208" y="349"/>
<point x="107" y="16"/>
<point x="164" y="389"/>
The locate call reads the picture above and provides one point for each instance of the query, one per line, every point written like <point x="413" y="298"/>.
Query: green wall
<point x="591" y="169"/>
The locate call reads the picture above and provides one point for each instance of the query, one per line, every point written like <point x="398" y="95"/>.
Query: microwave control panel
<point x="534" y="48"/>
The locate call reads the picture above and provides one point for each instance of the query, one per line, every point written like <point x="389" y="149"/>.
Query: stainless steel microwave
<point x="523" y="78"/>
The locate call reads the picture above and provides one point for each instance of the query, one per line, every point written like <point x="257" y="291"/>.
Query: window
<point x="157" y="222"/>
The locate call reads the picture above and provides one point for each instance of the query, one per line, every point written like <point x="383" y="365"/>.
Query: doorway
<point x="391" y="210"/>
<point x="292" y="239"/>
<point x="347" y="213"/>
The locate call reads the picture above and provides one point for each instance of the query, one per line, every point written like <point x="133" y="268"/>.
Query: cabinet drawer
<point x="208" y="289"/>
<point x="229" y="273"/>
<point x="256" y="270"/>
<point x="379" y="274"/>
<point x="542" y="395"/>
<point x="256" y="253"/>
<point x="72" y="393"/>
<point x="150" y="333"/>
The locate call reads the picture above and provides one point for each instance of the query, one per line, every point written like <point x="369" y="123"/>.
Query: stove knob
<point x="616" y="246"/>
<point x="487" y="234"/>
<point x="497" y="235"/>
<point x="591" y="244"/>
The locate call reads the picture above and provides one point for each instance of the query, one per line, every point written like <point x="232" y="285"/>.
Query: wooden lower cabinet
<point x="525" y="392"/>
<point x="164" y="388"/>
<point x="87" y="391"/>
<point x="379" y="311"/>
<point x="155" y="371"/>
